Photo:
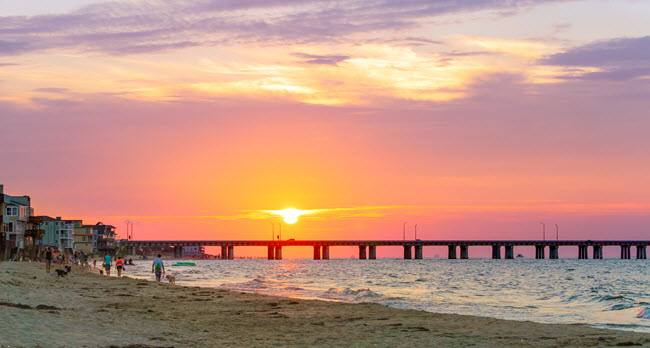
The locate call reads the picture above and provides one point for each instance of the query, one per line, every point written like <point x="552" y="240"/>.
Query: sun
<point x="290" y="216"/>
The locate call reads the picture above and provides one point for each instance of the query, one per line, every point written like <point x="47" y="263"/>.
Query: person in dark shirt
<point x="48" y="259"/>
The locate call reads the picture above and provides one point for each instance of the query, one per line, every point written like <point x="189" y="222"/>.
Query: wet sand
<point x="89" y="310"/>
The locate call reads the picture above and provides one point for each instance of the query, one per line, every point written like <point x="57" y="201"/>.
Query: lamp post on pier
<point x="416" y="232"/>
<point x="404" y="230"/>
<point x="543" y="230"/>
<point x="557" y="233"/>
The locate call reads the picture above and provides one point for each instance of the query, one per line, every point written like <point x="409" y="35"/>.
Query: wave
<point x="350" y="295"/>
<point x="643" y="313"/>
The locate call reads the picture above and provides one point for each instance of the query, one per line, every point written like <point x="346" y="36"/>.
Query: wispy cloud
<point x="320" y="59"/>
<point x="128" y="27"/>
<point x="617" y="59"/>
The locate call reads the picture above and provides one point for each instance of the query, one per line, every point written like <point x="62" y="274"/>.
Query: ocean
<point x="608" y="293"/>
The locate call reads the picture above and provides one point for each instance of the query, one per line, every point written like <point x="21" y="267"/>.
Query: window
<point x="83" y="238"/>
<point x="12" y="211"/>
<point x="9" y="227"/>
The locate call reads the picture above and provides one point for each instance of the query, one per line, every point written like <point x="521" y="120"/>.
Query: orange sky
<point x="474" y="120"/>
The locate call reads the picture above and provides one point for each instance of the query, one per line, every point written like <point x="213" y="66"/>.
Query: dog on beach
<point x="101" y="272"/>
<point x="61" y="273"/>
<point x="171" y="278"/>
<point x="68" y="269"/>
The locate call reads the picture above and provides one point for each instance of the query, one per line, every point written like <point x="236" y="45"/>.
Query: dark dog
<point x="61" y="273"/>
<point x="68" y="269"/>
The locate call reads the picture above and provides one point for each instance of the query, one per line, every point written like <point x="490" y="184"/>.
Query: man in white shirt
<point x="158" y="267"/>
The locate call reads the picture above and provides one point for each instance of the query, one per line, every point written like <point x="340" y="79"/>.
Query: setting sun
<point x="290" y="216"/>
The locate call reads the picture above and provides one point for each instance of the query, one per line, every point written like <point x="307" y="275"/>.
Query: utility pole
<point x="416" y="231"/>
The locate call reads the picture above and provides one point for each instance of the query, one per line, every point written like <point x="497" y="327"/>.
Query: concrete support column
<point x="510" y="250"/>
<point x="464" y="252"/>
<point x="224" y="252"/>
<point x="582" y="252"/>
<point x="625" y="252"/>
<point x="496" y="252"/>
<point x="231" y="252"/>
<point x="278" y="252"/>
<point x="373" y="252"/>
<point x="132" y="250"/>
<point x="316" y="252"/>
<point x="270" y="252"/>
<point x="451" y="253"/>
<point x="362" y="252"/>
<point x="326" y="252"/>
<point x="598" y="252"/>
<point x="640" y="252"/>
<point x="175" y="252"/>
<point x="553" y="252"/>
<point x="181" y="251"/>
<point x="539" y="252"/>
<point x="407" y="252"/>
<point x="418" y="252"/>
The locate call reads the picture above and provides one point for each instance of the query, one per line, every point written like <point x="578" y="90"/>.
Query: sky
<point x="192" y="119"/>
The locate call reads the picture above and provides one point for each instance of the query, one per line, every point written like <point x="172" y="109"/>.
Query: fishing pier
<point x="412" y="248"/>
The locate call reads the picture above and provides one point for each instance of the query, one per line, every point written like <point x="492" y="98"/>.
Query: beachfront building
<point x="16" y="211"/>
<point x="83" y="237"/>
<point x="104" y="238"/>
<point x="59" y="234"/>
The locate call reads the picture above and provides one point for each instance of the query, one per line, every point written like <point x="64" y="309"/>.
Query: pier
<point x="412" y="249"/>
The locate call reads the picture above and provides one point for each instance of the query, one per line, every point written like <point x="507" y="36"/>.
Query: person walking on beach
<point x="158" y="267"/>
<point x="107" y="264"/>
<point x="94" y="263"/>
<point x="119" y="265"/>
<point x="48" y="260"/>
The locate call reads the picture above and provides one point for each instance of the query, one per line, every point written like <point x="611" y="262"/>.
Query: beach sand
<point x="89" y="310"/>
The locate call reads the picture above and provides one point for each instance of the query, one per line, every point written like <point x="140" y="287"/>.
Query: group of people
<point x="157" y="267"/>
<point x="76" y="259"/>
<point x="107" y="262"/>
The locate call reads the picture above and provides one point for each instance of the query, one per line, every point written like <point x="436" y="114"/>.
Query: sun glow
<point x="290" y="216"/>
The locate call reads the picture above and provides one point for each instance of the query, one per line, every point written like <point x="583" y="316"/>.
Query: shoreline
<point x="89" y="310"/>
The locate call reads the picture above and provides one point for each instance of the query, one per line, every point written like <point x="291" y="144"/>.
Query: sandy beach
<point x="88" y="310"/>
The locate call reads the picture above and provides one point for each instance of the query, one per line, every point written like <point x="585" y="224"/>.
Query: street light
<point x="557" y="233"/>
<point x="543" y="230"/>
<point x="404" y="230"/>
<point x="416" y="231"/>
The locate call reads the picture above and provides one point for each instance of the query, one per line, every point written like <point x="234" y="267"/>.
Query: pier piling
<point x="640" y="252"/>
<point x="224" y="252"/>
<point x="496" y="252"/>
<point x="326" y="252"/>
<point x="418" y="252"/>
<point x="464" y="252"/>
<point x="553" y="252"/>
<point x="625" y="252"/>
<point x="598" y="252"/>
<point x="271" y="252"/>
<point x="316" y="252"/>
<point x="510" y="252"/>
<point x="407" y="252"/>
<point x="362" y="252"/>
<point x="539" y="252"/>
<point x="373" y="252"/>
<point x="582" y="252"/>
<point x="231" y="252"/>
<point x="451" y="254"/>
<point x="278" y="252"/>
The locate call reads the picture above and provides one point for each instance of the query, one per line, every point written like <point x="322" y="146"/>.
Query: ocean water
<point x="609" y="293"/>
